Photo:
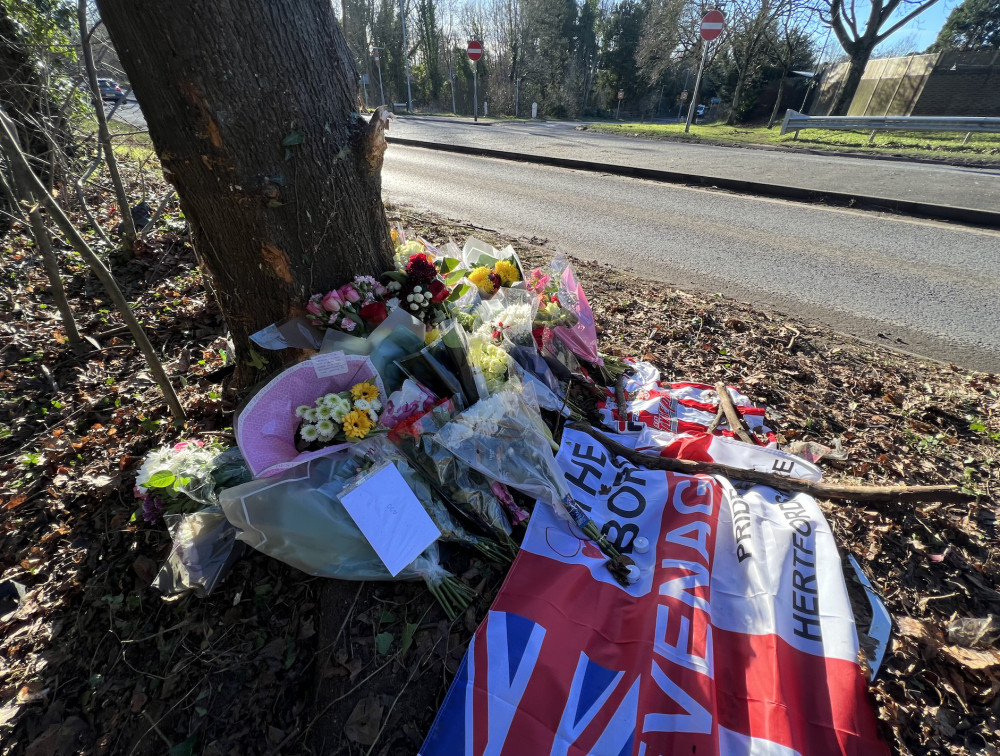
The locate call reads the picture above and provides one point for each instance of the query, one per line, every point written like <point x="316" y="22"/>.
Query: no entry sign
<point x="476" y="50"/>
<point x="711" y="25"/>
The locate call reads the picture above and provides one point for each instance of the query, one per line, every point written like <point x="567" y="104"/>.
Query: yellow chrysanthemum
<point x="481" y="278"/>
<point x="364" y="390"/>
<point x="433" y="334"/>
<point x="357" y="424"/>
<point x="395" y="237"/>
<point x="507" y="271"/>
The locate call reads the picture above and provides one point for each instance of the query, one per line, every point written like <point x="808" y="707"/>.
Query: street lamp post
<point x="406" y="58"/>
<point x="378" y="63"/>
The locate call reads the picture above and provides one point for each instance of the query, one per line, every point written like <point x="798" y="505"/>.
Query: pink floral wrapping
<point x="265" y="429"/>
<point x="581" y="339"/>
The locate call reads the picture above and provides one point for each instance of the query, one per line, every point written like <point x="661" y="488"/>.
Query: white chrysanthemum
<point x="330" y="400"/>
<point x="309" y="432"/>
<point x="392" y="303"/>
<point x="340" y="412"/>
<point x="310" y="415"/>
<point x="326" y="429"/>
<point x="373" y="416"/>
<point x="301" y="410"/>
<point x="376" y="405"/>
<point x="362" y="404"/>
<point x="323" y="413"/>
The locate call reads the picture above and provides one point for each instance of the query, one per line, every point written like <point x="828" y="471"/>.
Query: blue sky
<point x="916" y="36"/>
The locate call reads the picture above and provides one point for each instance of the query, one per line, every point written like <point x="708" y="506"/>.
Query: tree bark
<point x="855" y="70"/>
<point x="252" y="109"/>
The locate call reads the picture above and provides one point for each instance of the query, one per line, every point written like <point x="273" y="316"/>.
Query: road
<point x="921" y="182"/>
<point x="935" y="288"/>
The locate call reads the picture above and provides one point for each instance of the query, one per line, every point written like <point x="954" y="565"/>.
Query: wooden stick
<point x="831" y="491"/>
<point x="621" y="399"/>
<point x="716" y="420"/>
<point x="732" y="414"/>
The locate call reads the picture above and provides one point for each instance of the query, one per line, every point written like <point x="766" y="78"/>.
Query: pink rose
<point x="332" y="302"/>
<point x="313" y="308"/>
<point x="348" y="293"/>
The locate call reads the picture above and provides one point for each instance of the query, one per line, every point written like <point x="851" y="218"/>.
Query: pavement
<point x="927" y="184"/>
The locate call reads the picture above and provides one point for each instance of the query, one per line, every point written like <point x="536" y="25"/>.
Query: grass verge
<point x="980" y="149"/>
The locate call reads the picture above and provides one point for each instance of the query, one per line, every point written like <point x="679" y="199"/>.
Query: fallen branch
<point x="836" y="492"/>
<point x="732" y="414"/>
<point x="621" y="399"/>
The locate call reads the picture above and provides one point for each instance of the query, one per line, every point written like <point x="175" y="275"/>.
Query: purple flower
<point x="348" y="325"/>
<point x="152" y="509"/>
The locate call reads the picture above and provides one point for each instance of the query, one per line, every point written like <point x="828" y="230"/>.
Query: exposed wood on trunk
<point x="831" y="491"/>
<point x="252" y="108"/>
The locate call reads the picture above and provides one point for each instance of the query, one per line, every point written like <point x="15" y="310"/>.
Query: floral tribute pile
<point x="457" y="367"/>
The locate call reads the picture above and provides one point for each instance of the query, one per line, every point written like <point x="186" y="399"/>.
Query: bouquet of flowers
<point x="355" y="308"/>
<point x="338" y="417"/>
<point x="508" y="317"/>
<point x="504" y="437"/>
<point x="298" y="518"/>
<point x="415" y="285"/>
<point x="186" y="477"/>
<point x="489" y="279"/>
<point x="490" y="360"/>
<point x="466" y="490"/>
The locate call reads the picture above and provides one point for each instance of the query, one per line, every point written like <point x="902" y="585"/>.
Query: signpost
<point x="621" y="96"/>
<point x="475" y="51"/>
<point x="711" y="28"/>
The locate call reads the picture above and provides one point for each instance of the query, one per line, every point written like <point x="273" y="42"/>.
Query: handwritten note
<point x="391" y="518"/>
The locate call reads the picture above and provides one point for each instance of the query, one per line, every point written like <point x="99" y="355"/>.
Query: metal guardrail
<point x="797" y="121"/>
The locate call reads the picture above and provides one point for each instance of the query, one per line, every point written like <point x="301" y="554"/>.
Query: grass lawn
<point x="981" y="148"/>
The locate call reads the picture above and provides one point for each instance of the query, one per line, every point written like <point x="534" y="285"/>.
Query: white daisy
<point x="323" y="413"/>
<point x="310" y="415"/>
<point x="309" y="432"/>
<point x="326" y="429"/>
<point x="301" y="410"/>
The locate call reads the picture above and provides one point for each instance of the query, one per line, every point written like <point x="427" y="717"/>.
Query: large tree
<point x="859" y="35"/>
<point x="252" y="107"/>
<point x="973" y="25"/>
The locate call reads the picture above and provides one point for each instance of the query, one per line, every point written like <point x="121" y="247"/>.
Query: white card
<point x="269" y="338"/>
<point x="391" y="518"/>
<point x="331" y="363"/>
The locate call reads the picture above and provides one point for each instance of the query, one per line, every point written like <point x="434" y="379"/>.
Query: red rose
<point x="374" y="313"/>
<point x="439" y="292"/>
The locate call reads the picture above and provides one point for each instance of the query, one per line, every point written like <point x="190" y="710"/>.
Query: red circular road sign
<point x="711" y="25"/>
<point x="475" y="50"/>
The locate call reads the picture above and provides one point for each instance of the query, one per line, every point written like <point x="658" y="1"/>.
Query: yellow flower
<point x="364" y="390"/>
<point x="507" y="271"/>
<point x="357" y="424"/>
<point x="481" y="278"/>
<point x="432" y="335"/>
<point x="395" y="237"/>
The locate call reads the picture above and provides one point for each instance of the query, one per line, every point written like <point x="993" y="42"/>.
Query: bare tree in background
<point x="859" y="36"/>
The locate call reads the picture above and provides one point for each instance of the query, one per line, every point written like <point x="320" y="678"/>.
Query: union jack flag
<point x="735" y="640"/>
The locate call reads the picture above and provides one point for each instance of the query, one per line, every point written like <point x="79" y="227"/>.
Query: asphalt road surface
<point x="927" y="288"/>
<point x="922" y="182"/>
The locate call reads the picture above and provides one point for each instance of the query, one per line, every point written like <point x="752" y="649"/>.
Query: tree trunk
<point x="252" y="109"/>
<point x="855" y="70"/>
<point x="777" y="102"/>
